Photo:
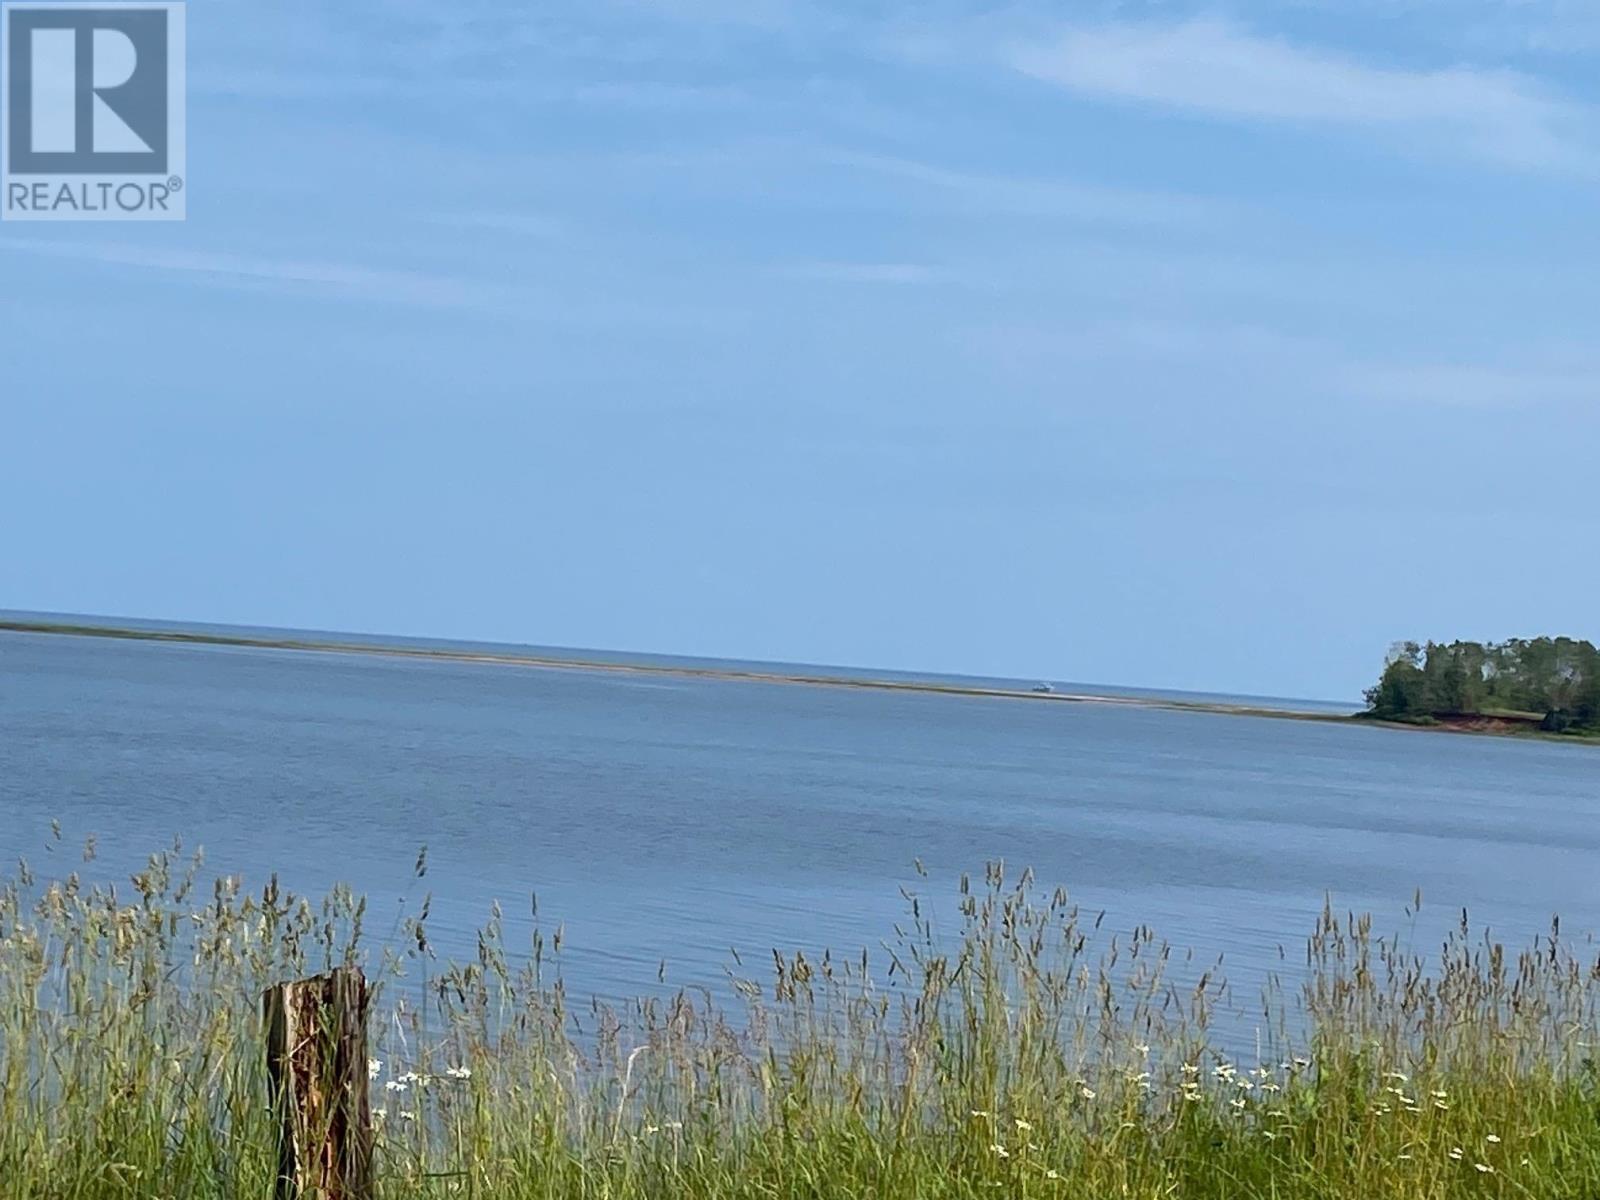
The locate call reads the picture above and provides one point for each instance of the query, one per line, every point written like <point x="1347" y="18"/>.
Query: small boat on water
<point x="1044" y="689"/>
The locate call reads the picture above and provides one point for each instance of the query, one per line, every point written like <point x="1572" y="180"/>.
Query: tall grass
<point x="1026" y="1054"/>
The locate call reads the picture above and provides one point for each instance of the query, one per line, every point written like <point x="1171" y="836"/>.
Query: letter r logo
<point x="87" y="89"/>
<point x="113" y="60"/>
<point x="93" y="111"/>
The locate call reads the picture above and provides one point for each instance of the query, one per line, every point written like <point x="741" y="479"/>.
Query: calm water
<point x="673" y="819"/>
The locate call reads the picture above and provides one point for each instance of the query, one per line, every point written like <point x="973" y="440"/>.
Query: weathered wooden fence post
<point x="317" y="1079"/>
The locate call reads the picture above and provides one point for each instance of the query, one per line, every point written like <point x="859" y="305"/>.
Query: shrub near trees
<point x="1554" y="680"/>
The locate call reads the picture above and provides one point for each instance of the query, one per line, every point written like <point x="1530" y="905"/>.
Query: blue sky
<point x="1139" y="343"/>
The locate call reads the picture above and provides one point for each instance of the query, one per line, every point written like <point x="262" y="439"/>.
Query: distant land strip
<point x="734" y="674"/>
<point x="486" y="658"/>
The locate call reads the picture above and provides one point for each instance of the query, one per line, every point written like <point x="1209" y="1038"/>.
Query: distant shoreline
<point x="730" y="674"/>
<point x="733" y="674"/>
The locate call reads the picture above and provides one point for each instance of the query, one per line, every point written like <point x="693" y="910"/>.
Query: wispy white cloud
<point x="1042" y="197"/>
<point x="290" y="84"/>
<point x="358" y="283"/>
<point x="1212" y="67"/>
<point x="334" y="278"/>
<point x="874" y="177"/>
<point x="863" y="272"/>
<point x="1491" y="386"/>
<point x="660" y="97"/>
<point x="519" y="224"/>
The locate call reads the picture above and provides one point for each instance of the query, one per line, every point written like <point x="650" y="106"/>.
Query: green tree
<point x="1558" y="678"/>
<point x="1402" y="690"/>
